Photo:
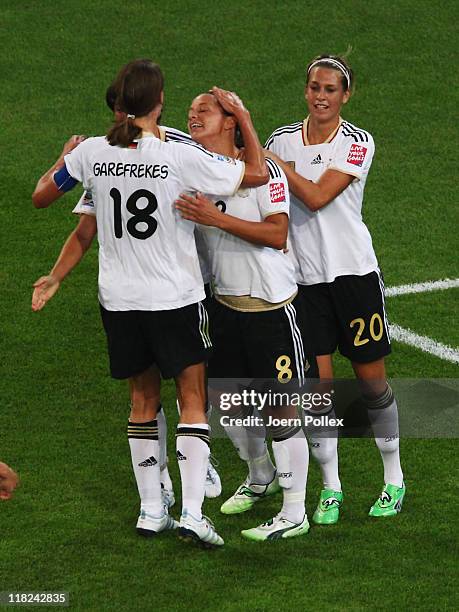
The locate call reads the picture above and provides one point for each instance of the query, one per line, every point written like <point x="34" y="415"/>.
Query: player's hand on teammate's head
<point x="72" y="142"/>
<point x="44" y="289"/>
<point x="8" y="481"/>
<point x="230" y="101"/>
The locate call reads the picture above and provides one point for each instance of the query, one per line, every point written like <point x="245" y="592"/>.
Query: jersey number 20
<point x="376" y="335"/>
<point x="139" y="215"/>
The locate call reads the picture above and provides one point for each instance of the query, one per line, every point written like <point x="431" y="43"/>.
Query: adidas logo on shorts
<point x="148" y="462"/>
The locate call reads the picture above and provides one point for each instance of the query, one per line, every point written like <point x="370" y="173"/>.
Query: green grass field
<point x="71" y="524"/>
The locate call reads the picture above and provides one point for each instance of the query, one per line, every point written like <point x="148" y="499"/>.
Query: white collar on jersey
<point x="329" y="137"/>
<point x="162" y="134"/>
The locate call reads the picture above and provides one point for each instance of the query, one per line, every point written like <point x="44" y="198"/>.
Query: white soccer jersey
<point x="203" y="255"/>
<point x="147" y="252"/>
<point x="85" y="205"/>
<point x="241" y="268"/>
<point x="333" y="241"/>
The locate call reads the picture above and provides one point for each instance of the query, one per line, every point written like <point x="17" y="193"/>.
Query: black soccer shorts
<point x="348" y="314"/>
<point x="171" y="339"/>
<point x="267" y="344"/>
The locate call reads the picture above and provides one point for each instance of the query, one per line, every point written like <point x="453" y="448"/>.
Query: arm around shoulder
<point x="46" y="190"/>
<point x="314" y="195"/>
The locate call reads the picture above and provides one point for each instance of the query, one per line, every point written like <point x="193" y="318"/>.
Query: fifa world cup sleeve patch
<point x="225" y="158"/>
<point x="277" y="193"/>
<point x="87" y="199"/>
<point x="356" y="155"/>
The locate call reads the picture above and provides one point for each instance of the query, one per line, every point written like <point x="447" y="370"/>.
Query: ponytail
<point x="123" y="132"/>
<point x="139" y="87"/>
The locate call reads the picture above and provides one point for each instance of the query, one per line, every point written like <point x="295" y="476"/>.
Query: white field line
<point x="422" y="287"/>
<point x="424" y="343"/>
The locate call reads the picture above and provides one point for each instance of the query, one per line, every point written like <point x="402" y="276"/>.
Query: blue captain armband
<point x="64" y="182"/>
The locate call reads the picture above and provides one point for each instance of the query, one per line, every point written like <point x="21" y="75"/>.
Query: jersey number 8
<point x="139" y="215"/>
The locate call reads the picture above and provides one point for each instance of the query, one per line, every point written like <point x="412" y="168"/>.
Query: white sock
<point x="292" y="460"/>
<point x="325" y="452"/>
<point x="384" y="422"/>
<point x="324" y="449"/>
<point x="145" y="452"/>
<point x="193" y="456"/>
<point x="250" y="443"/>
<point x="162" y="438"/>
<point x="261" y="469"/>
<point x="165" y="477"/>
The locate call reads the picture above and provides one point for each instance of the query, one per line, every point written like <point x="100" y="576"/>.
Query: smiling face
<point x="207" y="122"/>
<point x="325" y="94"/>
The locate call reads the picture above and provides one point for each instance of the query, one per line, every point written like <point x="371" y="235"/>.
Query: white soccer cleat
<point x="167" y="496"/>
<point x="277" y="528"/>
<point x="247" y="495"/>
<point x="149" y="525"/>
<point x="200" y="531"/>
<point x="213" y="487"/>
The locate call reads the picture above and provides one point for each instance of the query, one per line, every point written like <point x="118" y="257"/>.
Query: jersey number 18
<point x="139" y="215"/>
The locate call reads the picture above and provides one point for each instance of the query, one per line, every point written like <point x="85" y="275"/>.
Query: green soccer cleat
<point x="327" y="511"/>
<point x="247" y="495"/>
<point x="276" y="528"/>
<point x="389" y="503"/>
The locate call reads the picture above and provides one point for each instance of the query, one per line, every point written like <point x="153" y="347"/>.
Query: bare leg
<point x="145" y="395"/>
<point x="191" y="394"/>
<point x="325" y="367"/>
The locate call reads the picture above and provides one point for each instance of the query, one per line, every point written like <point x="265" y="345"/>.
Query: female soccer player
<point x="339" y="278"/>
<point x="150" y="285"/>
<point x="72" y="253"/>
<point x="253" y="322"/>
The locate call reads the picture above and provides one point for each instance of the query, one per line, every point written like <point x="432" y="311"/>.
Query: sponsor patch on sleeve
<point x="277" y="192"/>
<point x="356" y="155"/>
